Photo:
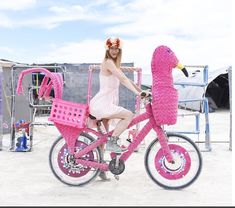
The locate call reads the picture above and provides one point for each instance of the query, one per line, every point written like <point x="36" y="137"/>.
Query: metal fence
<point x="1" y="108"/>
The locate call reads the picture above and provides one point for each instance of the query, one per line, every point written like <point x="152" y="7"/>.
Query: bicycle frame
<point x="151" y="124"/>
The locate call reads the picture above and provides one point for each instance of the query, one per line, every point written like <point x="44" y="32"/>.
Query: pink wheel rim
<point x="177" y="171"/>
<point x="66" y="168"/>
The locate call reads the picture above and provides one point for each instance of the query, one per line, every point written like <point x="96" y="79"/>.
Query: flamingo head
<point x="165" y="59"/>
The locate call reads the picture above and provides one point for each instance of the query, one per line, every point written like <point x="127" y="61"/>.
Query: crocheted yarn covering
<point x="56" y="79"/>
<point x="165" y="96"/>
<point x="70" y="134"/>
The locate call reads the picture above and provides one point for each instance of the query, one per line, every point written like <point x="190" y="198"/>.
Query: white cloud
<point x="16" y="4"/>
<point x="139" y="51"/>
<point x="135" y="18"/>
<point x="200" y="32"/>
<point x="55" y="16"/>
<point x="183" y="18"/>
<point x="213" y="52"/>
<point x="5" y="21"/>
<point x="6" y="50"/>
<point x="86" y="51"/>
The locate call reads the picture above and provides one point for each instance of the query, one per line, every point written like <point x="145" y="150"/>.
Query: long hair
<point x="117" y="61"/>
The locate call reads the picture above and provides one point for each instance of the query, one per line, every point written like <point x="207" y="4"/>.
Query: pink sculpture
<point x="165" y="96"/>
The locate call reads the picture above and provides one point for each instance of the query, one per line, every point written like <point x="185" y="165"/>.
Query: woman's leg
<point x="106" y="126"/>
<point x="126" y="117"/>
<point x="103" y="174"/>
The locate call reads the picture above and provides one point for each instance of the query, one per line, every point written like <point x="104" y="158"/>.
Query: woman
<point x="104" y="105"/>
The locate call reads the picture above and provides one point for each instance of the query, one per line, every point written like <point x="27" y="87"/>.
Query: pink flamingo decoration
<point x="164" y="95"/>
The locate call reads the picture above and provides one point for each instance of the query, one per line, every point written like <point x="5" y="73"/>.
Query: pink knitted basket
<point x="69" y="113"/>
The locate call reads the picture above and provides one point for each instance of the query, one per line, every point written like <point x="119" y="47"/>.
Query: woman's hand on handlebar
<point x="144" y="94"/>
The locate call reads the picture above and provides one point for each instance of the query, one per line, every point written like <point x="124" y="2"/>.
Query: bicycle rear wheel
<point x="185" y="170"/>
<point x="64" y="166"/>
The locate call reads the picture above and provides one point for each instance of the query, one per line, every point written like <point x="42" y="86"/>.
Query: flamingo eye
<point x="168" y="50"/>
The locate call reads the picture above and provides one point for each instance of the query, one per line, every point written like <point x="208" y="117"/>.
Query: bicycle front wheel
<point x="187" y="162"/>
<point x="64" y="166"/>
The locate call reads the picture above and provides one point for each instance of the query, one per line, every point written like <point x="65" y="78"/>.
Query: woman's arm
<point x="135" y="86"/>
<point x="129" y="69"/>
<point x="109" y="65"/>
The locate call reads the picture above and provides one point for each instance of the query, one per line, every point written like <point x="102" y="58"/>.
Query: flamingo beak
<point x="182" y="68"/>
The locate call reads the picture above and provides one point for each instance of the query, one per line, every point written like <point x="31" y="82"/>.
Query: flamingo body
<point x="165" y="96"/>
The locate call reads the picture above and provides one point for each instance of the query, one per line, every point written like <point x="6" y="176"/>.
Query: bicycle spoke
<point x="183" y="172"/>
<point x="64" y="166"/>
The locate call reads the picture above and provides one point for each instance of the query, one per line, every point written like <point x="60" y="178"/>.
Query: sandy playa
<point x="26" y="178"/>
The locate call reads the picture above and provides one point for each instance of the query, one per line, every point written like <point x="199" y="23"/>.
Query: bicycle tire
<point x="75" y="174"/>
<point x="174" y="176"/>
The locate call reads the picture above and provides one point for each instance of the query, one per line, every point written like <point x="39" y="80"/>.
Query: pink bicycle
<point x="75" y="157"/>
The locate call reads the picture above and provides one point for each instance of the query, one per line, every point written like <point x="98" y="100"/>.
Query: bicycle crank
<point x="116" y="166"/>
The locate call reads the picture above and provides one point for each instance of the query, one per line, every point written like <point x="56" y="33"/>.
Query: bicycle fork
<point x="164" y="143"/>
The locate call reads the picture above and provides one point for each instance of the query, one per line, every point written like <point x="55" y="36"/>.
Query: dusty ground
<point x="26" y="178"/>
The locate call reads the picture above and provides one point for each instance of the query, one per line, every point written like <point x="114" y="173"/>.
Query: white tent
<point x="217" y="90"/>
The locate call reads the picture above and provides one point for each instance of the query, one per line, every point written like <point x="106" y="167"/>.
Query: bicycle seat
<point x="92" y="117"/>
<point x="98" y="122"/>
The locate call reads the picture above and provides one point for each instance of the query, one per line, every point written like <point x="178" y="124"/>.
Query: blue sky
<point x="73" y="31"/>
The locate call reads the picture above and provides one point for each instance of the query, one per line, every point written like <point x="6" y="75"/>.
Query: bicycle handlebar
<point x="145" y="94"/>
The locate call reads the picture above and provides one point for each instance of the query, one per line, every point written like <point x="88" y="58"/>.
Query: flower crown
<point x="113" y="42"/>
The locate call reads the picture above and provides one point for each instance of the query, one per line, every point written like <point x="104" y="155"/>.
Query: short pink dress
<point x="105" y="103"/>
